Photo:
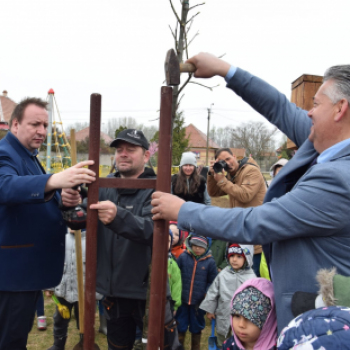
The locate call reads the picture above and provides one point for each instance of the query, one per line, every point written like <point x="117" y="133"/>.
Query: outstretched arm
<point x="207" y="65"/>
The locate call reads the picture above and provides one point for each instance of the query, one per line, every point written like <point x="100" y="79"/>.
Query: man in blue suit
<point x="32" y="231"/>
<point x="304" y="221"/>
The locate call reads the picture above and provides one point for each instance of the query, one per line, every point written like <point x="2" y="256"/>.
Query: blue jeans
<point x="190" y="316"/>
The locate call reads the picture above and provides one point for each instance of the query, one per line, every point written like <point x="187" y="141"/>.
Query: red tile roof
<point x="4" y="126"/>
<point x="84" y="133"/>
<point x="7" y="106"/>
<point x="198" y="139"/>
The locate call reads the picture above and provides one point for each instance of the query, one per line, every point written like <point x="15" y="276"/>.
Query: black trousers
<point x="17" y="312"/>
<point x="60" y="324"/>
<point x="123" y="315"/>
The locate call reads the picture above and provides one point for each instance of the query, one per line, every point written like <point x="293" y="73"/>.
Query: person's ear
<point x="341" y="109"/>
<point x="147" y="156"/>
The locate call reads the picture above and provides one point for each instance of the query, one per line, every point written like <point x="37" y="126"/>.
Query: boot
<point x="196" y="341"/>
<point x="182" y="337"/>
<point x="58" y="344"/>
<point x="103" y="325"/>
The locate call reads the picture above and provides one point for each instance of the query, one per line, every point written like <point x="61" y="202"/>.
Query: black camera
<point x="219" y="166"/>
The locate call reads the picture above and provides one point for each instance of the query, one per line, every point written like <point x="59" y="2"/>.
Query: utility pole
<point x="207" y="155"/>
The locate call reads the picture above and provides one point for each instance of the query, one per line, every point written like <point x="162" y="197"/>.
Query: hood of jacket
<point x="324" y="328"/>
<point x="248" y="251"/>
<point x="189" y="248"/>
<point x="268" y="335"/>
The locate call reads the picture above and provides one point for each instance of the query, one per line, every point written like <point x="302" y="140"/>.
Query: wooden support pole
<point x="91" y="225"/>
<point x="160" y="232"/>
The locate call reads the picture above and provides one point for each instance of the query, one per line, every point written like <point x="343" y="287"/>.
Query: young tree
<point x="181" y="43"/>
<point x="180" y="142"/>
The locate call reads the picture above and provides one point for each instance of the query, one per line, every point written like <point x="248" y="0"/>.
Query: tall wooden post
<point x="303" y="90"/>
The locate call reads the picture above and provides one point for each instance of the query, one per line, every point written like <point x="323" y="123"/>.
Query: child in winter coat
<point x="174" y="275"/>
<point x="198" y="271"/>
<point x="253" y="317"/>
<point x="177" y="246"/>
<point x="67" y="292"/>
<point x="219" y="296"/>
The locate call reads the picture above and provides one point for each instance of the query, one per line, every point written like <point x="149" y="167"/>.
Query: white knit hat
<point x="188" y="158"/>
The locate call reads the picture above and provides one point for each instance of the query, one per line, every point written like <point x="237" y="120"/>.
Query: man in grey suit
<point x="304" y="222"/>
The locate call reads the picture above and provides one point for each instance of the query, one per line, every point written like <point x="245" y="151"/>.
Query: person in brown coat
<point x="242" y="182"/>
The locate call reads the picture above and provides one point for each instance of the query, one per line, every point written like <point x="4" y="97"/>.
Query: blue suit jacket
<point x="32" y="231"/>
<point x="306" y="211"/>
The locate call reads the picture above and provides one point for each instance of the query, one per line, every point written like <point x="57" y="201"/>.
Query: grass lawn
<point x="43" y="340"/>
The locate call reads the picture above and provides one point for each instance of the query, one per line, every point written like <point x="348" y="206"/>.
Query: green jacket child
<point x="174" y="274"/>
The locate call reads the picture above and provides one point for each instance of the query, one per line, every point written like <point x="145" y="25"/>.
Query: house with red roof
<point x="198" y="145"/>
<point x="6" y="108"/>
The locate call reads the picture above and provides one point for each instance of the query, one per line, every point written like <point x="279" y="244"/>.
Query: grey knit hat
<point x="188" y="158"/>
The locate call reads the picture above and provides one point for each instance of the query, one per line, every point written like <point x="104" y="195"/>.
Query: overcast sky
<point x="117" y="48"/>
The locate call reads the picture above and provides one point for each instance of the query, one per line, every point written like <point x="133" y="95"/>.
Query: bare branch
<point x="203" y="3"/>
<point x="175" y="13"/>
<point x="191" y="19"/>
<point x="185" y="83"/>
<point x="207" y="87"/>
<point x="172" y="33"/>
<point x="192" y="39"/>
<point x="178" y="104"/>
<point x="189" y="27"/>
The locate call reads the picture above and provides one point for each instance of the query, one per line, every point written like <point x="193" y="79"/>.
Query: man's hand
<point x="71" y="177"/>
<point x="70" y="197"/>
<point x="165" y="206"/>
<point x="208" y="65"/>
<point x="219" y="176"/>
<point x="107" y="211"/>
<point x="210" y="316"/>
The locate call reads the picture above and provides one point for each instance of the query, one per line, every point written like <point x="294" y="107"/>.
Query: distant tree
<point x="222" y="136"/>
<point x="115" y="123"/>
<point x="255" y="137"/>
<point x="77" y="126"/>
<point x="83" y="146"/>
<point x="121" y="128"/>
<point x="180" y="142"/>
<point x="284" y="151"/>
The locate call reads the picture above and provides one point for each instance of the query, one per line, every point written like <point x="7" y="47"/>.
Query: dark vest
<point x="197" y="197"/>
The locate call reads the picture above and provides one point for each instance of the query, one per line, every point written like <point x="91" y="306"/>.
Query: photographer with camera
<point x="242" y="182"/>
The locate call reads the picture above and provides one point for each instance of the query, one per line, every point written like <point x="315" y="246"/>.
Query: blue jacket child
<point x="198" y="271"/>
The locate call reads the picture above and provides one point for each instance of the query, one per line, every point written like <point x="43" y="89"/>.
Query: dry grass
<point x="43" y="340"/>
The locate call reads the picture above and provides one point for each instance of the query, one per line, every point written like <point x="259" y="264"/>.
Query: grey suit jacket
<point x="305" y="216"/>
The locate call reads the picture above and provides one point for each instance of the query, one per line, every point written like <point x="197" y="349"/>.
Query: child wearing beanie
<point x="198" y="271"/>
<point x="174" y="275"/>
<point x="218" y="298"/>
<point x="253" y="317"/>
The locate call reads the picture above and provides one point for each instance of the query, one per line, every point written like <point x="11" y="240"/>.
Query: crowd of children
<point x="243" y="305"/>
